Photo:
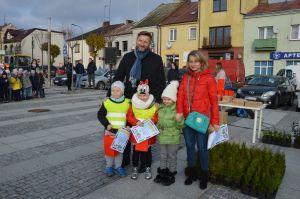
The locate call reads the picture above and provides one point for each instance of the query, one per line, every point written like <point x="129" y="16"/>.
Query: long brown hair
<point x="200" y="57"/>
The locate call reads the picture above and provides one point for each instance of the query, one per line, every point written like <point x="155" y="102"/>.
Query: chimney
<point x="128" y="21"/>
<point x="263" y="2"/>
<point x="105" y="23"/>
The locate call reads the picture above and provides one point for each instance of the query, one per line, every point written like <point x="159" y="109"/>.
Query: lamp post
<point x="81" y="39"/>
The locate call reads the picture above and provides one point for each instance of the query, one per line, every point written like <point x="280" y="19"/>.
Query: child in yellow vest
<point x="112" y="115"/>
<point x="143" y="107"/>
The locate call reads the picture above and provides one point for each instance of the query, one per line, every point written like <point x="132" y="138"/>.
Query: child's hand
<point x="109" y="127"/>
<point x="139" y="123"/>
<point x="128" y="128"/>
<point x="178" y="116"/>
<point x="109" y="133"/>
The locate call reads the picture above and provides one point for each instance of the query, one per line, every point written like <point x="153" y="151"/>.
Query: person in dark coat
<point x="91" y="72"/>
<point x="69" y="70"/>
<point x="4" y="84"/>
<point x="79" y="69"/>
<point x="140" y="64"/>
<point x="173" y="72"/>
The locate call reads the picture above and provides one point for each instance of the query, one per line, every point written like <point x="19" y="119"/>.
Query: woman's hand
<point x="178" y="117"/>
<point x="109" y="127"/>
<point x="216" y="127"/>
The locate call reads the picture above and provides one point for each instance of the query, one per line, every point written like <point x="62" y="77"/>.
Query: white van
<point x="289" y="71"/>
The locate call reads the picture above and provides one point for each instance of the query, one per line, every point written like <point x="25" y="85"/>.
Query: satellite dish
<point x="168" y="45"/>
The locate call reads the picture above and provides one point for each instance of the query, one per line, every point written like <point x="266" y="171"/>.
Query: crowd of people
<point x="19" y="84"/>
<point x="139" y="92"/>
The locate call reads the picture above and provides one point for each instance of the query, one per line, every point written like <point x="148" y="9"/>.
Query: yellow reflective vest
<point x="144" y="114"/>
<point x="116" y="112"/>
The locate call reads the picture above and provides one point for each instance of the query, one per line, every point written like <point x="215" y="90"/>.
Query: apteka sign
<point x="284" y="55"/>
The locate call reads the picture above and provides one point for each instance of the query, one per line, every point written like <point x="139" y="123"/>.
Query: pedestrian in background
<point x="91" y="72"/>
<point x="69" y="70"/>
<point x="16" y="85"/>
<point x="27" y="86"/>
<point x="4" y="86"/>
<point x="173" y="72"/>
<point x="197" y="93"/>
<point x="79" y="69"/>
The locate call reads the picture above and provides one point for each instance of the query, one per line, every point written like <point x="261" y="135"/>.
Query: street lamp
<point x="81" y="39"/>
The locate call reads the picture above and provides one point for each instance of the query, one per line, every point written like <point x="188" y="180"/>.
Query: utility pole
<point x="32" y="46"/>
<point x="49" y="55"/>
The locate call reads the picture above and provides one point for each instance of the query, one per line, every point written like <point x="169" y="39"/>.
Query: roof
<point x="104" y="30"/>
<point x="20" y="34"/>
<point x="123" y="29"/>
<point x="275" y="7"/>
<point x="156" y="16"/>
<point x="188" y="12"/>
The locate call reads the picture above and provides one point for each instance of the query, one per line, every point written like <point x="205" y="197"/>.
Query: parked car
<point x="271" y="90"/>
<point x="102" y="79"/>
<point x="250" y="77"/>
<point x="62" y="80"/>
<point x="53" y="70"/>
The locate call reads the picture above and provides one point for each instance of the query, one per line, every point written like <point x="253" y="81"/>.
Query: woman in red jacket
<point x="203" y="99"/>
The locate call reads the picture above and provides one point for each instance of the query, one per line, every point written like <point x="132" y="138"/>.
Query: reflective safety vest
<point x="116" y="112"/>
<point x="144" y="114"/>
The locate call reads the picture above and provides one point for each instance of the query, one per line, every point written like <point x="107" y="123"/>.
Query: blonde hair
<point x="199" y="57"/>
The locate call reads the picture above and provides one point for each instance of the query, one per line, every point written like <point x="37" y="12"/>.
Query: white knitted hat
<point x="119" y="84"/>
<point x="171" y="91"/>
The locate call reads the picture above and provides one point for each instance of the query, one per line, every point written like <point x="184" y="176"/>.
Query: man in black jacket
<point x="141" y="64"/>
<point x="91" y="72"/>
<point x="69" y="70"/>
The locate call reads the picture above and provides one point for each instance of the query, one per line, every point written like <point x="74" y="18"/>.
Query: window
<point x="173" y="35"/>
<point x="192" y="33"/>
<point x="293" y="62"/>
<point x="265" y="32"/>
<point x="77" y="48"/>
<point x="125" y="45"/>
<point x="220" y="5"/>
<point x="295" y="32"/>
<point x="219" y="36"/>
<point x="117" y="45"/>
<point x="263" y="68"/>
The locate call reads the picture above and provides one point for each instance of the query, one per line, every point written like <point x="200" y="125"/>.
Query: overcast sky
<point x="89" y="14"/>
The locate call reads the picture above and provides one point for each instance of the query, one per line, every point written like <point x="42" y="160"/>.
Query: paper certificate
<point x="218" y="137"/>
<point x="120" y="140"/>
<point x="142" y="133"/>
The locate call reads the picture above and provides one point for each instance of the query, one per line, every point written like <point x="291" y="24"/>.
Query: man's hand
<point x="178" y="117"/>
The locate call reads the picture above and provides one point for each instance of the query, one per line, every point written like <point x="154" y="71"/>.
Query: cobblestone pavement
<point x="59" y="154"/>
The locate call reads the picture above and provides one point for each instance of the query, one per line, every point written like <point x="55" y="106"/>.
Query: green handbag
<point x="195" y="120"/>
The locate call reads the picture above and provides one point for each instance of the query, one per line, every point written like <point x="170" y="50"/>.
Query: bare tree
<point x="40" y="37"/>
<point x="69" y="33"/>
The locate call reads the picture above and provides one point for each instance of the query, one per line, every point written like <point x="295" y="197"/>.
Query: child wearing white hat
<point x="169" y="137"/>
<point x="112" y="115"/>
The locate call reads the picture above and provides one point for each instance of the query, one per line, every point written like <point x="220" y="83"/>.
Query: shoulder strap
<point x="188" y="92"/>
